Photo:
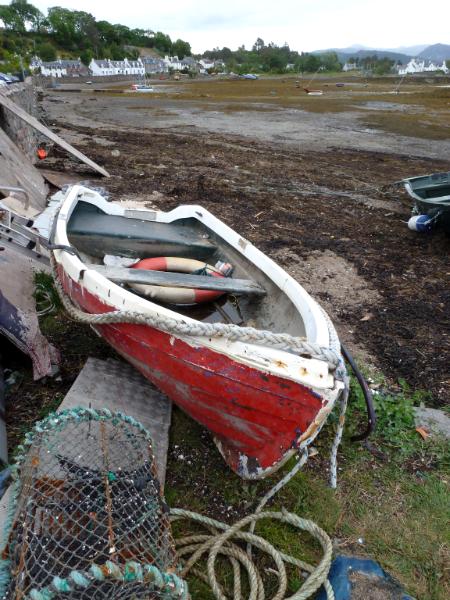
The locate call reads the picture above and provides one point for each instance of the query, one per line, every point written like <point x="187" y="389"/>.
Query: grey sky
<point x="304" y="24"/>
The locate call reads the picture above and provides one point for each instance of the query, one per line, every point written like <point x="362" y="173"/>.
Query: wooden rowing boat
<point x="260" y="402"/>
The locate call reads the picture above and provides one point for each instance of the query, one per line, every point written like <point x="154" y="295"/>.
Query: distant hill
<point x="409" y="50"/>
<point x="436" y="52"/>
<point x="344" y="54"/>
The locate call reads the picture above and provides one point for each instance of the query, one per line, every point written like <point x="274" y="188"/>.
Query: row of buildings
<point x="421" y="66"/>
<point x="149" y="65"/>
<point x="414" y="66"/>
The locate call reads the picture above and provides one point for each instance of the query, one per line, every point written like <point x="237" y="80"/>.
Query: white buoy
<point x="421" y="223"/>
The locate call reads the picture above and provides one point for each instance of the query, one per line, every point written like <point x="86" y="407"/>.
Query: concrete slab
<point x="118" y="386"/>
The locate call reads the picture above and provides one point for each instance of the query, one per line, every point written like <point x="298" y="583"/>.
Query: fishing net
<point x="87" y="518"/>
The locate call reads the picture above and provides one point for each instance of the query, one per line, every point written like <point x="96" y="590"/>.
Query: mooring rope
<point x="281" y="341"/>
<point x="221" y="540"/>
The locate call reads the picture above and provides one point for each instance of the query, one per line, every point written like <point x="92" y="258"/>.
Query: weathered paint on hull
<point x="256" y="417"/>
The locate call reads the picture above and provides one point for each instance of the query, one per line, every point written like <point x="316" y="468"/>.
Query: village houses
<point x="106" y="67"/>
<point x="59" y="68"/>
<point x="150" y="65"/>
<point x="419" y="66"/>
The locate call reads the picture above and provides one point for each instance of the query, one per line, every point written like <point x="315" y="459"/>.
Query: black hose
<point x="371" y="416"/>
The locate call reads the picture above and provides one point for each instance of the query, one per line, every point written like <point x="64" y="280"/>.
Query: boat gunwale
<point x="434" y="201"/>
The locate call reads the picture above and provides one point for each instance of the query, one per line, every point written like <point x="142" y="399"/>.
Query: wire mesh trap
<point x="87" y="518"/>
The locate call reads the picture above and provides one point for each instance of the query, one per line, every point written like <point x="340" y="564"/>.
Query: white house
<point x="207" y="64"/>
<point x="58" y="68"/>
<point x="419" y="66"/>
<point x="173" y="62"/>
<point x="351" y="67"/>
<point x="105" y="67"/>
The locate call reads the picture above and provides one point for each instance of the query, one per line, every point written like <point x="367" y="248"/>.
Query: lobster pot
<point x="87" y="518"/>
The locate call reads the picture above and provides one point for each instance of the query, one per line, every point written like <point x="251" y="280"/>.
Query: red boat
<point x="313" y="92"/>
<point x="255" y="359"/>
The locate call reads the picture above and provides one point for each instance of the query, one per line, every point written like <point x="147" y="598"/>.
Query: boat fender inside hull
<point x="174" y="295"/>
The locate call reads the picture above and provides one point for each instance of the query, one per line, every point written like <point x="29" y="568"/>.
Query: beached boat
<point x="313" y="92"/>
<point x="141" y="87"/>
<point x="261" y="395"/>
<point x="431" y="194"/>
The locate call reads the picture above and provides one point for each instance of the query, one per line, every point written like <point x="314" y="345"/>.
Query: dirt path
<point x="319" y="213"/>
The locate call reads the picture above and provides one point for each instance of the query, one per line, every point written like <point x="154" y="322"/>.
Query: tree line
<point x="272" y="58"/>
<point x="27" y="31"/>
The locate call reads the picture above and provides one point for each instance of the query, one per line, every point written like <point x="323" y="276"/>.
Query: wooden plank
<point x="22" y="114"/>
<point x="182" y="280"/>
<point x="60" y="179"/>
<point x="18" y="171"/>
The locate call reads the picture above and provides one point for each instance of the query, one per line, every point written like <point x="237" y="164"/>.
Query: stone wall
<point x="22" y="134"/>
<point x="55" y="81"/>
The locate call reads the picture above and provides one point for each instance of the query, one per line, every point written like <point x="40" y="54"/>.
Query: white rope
<point x="281" y="341"/>
<point x="222" y="540"/>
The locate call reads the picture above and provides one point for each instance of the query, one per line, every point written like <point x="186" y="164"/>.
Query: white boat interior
<point x="95" y="233"/>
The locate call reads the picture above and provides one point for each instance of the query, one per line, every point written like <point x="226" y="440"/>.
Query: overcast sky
<point x="304" y="24"/>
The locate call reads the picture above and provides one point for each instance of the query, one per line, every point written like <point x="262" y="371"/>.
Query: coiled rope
<point x="281" y="341"/>
<point x="221" y="541"/>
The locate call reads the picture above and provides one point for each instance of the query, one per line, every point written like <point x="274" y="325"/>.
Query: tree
<point x="181" y="49"/>
<point x="258" y="45"/>
<point x="19" y="15"/>
<point x="162" y="42"/>
<point x="86" y="56"/>
<point x="62" y="26"/>
<point x="46" y="52"/>
<point x="27" y="13"/>
<point x="330" y="61"/>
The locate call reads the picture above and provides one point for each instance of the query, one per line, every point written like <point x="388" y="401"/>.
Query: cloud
<point x="303" y="24"/>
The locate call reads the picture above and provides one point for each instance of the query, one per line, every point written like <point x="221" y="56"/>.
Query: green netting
<point x="87" y="518"/>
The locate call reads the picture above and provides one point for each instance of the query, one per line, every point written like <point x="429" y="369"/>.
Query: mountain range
<point x="434" y="52"/>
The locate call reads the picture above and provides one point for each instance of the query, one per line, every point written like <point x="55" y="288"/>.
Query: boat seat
<point x="96" y="233"/>
<point x="181" y="280"/>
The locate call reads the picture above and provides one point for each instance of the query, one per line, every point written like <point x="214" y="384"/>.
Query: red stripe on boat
<point x="254" y="413"/>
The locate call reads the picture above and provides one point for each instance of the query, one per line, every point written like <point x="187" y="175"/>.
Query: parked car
<point x="6" y="78"/>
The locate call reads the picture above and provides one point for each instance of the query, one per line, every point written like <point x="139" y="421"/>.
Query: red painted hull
<point x="256" y="417"/>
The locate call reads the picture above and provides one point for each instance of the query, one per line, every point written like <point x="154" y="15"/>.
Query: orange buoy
<point x="42" y="153"/>
<point x="176" y="295"/>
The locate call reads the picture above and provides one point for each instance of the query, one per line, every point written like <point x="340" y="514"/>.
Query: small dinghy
<point x="213" y="322"/>
<point x="431" y="195"/>
<point x="141" y="87"/>
<point x="313" y="92"/>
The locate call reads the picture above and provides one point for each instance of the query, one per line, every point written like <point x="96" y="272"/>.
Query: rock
<point x="115" y="152"/>
<point x="435" y="420"/>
